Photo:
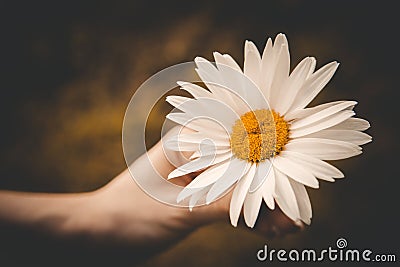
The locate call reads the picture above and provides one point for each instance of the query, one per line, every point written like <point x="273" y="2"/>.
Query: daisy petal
<point x="263" y="169"/>
<point x="203" y="180"/>
<point x="312" y="67"/>
<point x="317" y="167"/>
<point x="186" y="192"/>
<point x="281" y="75"/>
<point x="226" y="60"/>
<point x="280" y="40"/>
<point x="267" y="69"/>
<point x="251" y="207"/>
<point x="351" y="136"/>
<point x="197" y="124"/>
<point x="237" y="169"/>
<point x="222" y="83"/>
<point x="216" y="139"/>
<point x="239" y="194"/>
<point x="293" y="85"/>
<point x="303" y="201"/>
<point x="177" y="100"/>
<point x="295" y="171"/>
<point x="268" y="189"/>
<point x="197" y="196"/>
<point x="324" y="149"/>
<point x="357" y="124"/>
<point x="208" y="72"/>
<point x="302" y="113"/>
<point x="330" y="121"/>
<point x="243" y="88"/>
<point x="220" y="87"/>
<point x="175" y="143"/>
<point x="210" y="108"/>
<point x="314" y="85"/>
<point x="285" y="196"/>
<point x="209" y="152"/>
<point x="321" y="115"/>
<point x="198" y="164"/>
<point x="252" y="62"/>
<point x="195" y="90"/>
<point x="209" y="176"/>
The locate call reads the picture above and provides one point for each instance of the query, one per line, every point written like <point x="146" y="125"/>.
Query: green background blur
<point x="68" y="71"/>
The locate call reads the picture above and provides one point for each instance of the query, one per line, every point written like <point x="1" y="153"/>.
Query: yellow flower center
<point x="259" y="135"/>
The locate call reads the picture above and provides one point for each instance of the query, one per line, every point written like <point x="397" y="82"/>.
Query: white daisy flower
<point x="254" y="132"/>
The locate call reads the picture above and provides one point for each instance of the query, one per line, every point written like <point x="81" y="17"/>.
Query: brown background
<point x="69" y="69"/>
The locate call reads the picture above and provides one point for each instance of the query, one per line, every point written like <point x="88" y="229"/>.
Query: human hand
<point x="134" y="217"/>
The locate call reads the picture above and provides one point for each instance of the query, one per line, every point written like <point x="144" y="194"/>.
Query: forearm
<point x="55" y="214"/>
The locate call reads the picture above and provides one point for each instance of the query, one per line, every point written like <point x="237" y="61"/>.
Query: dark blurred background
<point x="68" y="70"/>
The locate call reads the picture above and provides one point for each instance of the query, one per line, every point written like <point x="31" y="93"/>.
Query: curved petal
<point x="251" y="207"/>
<point x="302" y="113"/>
<point x="263" y="169"/>
<point x="285" y="196"/>
<point x="236" y="170"/>
<point x="303" y="201"/>
<point x="317" y="167"/>
<point x="267" y="69"/>
<point x="239" y="194"/>
<point x="197" y="196"/>
<point x="313" y="85"/>
<point x="176" y="144"/>
<point x="209" y="108"/>
<point x="199" y="137"/>
<point x="324" y="149"/>
<point x="220" y="81"/>
<point x="200" y="124"/>
<point x="210" y="175"/>
<point x="198" y="164"/>
<point x="293" y="84"/>
<point x="281" y="75"/>
<point x="226" y="60"/>
<point x="195" y="90"/>
<point x="322" y="124"/>
<point x="351" y="136"/>
<point x="209" y="152"/>
<point x="268" y="189"/>
<point x="252" y="62"/>
<point x="356" y="124"/>
<point x="321" y="115"/>
<point x="295" y="171"/>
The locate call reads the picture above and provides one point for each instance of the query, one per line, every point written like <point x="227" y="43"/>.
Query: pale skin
<point x="121" y="214"/>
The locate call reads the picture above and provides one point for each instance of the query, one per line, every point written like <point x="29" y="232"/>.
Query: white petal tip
<point x="181" y="196"/>
<point x="173" y="174"/>
<point x="251" y="226"/>
<point x="315" y="186"/>
<point x="339" y="176"/>
<point x="200" y="59"/>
